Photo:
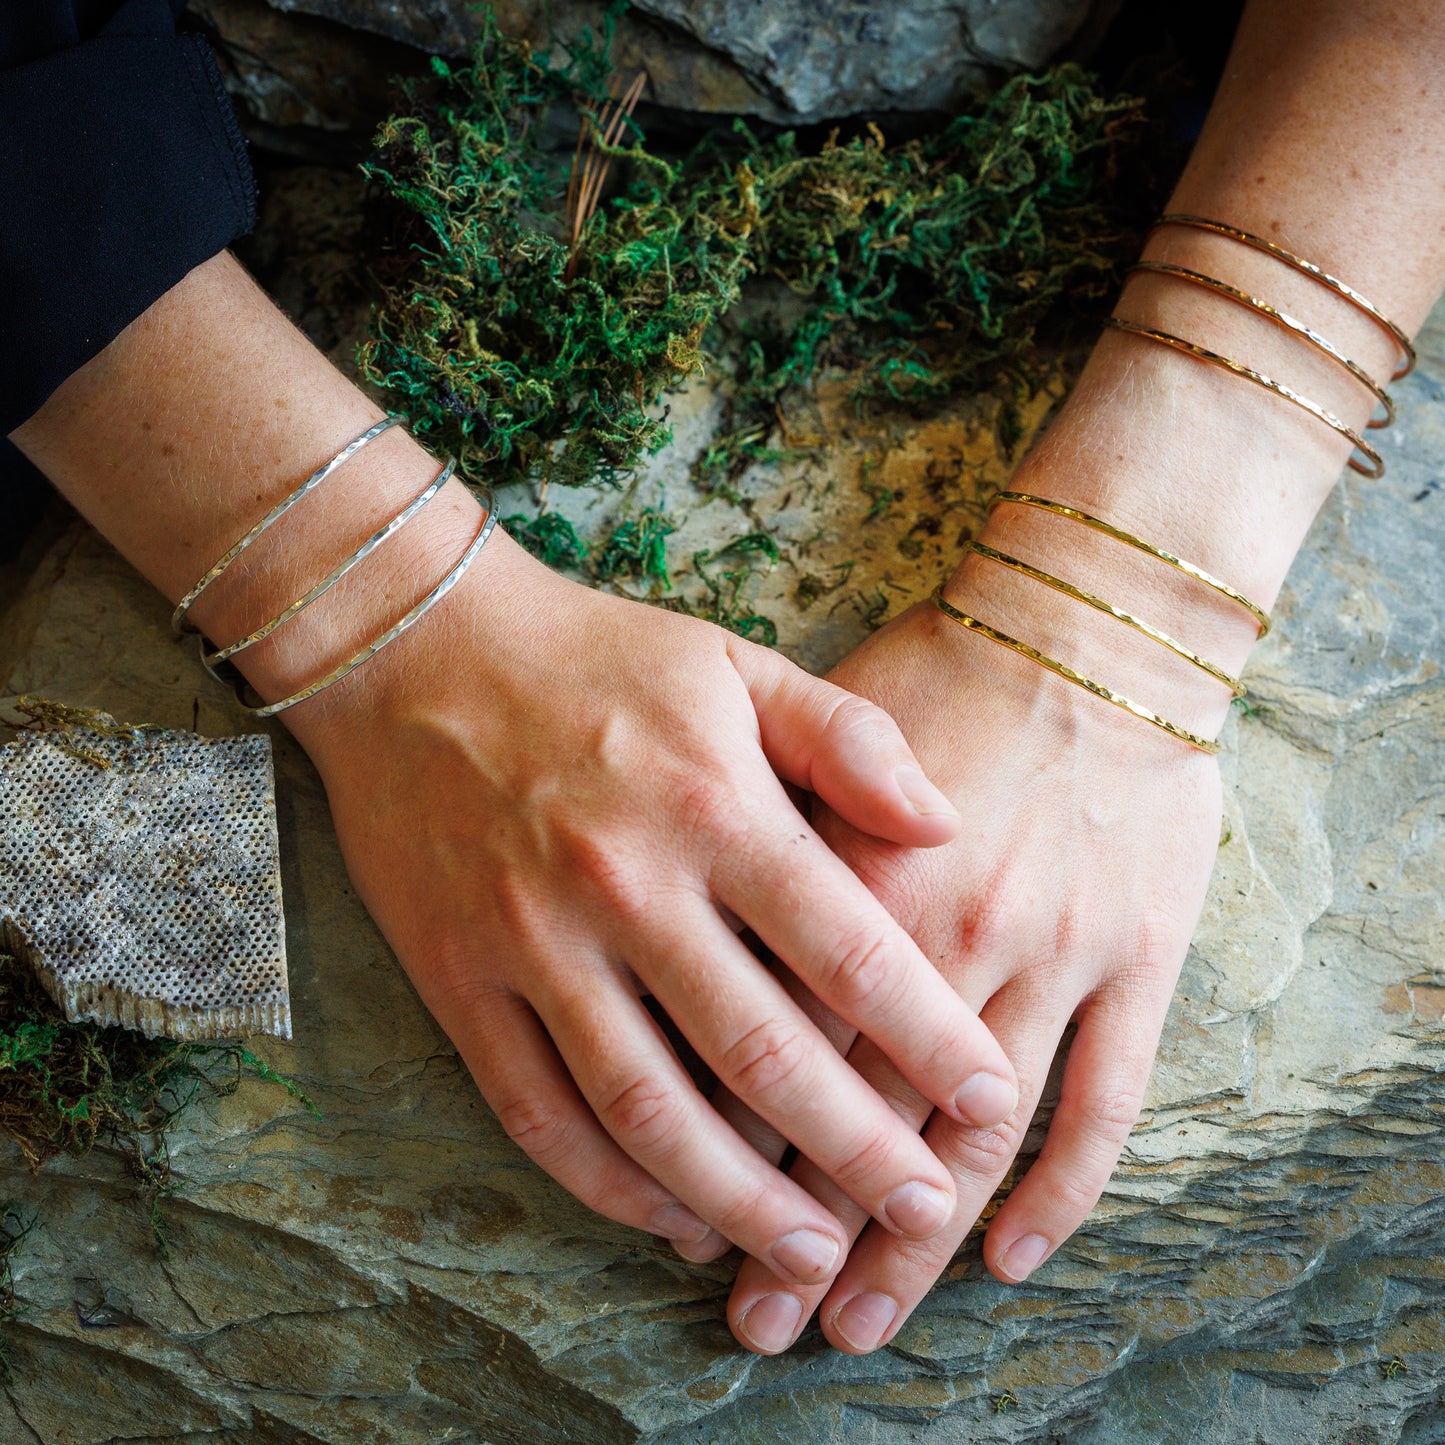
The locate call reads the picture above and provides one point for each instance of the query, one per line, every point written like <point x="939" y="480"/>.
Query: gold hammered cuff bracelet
<point x="1365" y="460"/>
<point x="1137" y="623"/>
<point x="1069" y="674"/>
<point x="1307" y="268"/>
<point x="1059" y="669"/>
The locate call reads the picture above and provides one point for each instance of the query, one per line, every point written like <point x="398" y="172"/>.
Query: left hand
<point x="1070" y="895"/>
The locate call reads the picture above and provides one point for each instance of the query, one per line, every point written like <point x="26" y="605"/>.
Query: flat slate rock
<point x="316" y="62"/>
<point x="1268" y="1264"/>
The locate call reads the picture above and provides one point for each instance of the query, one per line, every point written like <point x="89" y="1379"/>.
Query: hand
<point x="1071" y="893"/>
<point x="550" y="799"/>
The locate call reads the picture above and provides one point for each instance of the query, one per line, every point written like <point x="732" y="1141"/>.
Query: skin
<point x="1073" y="888"/>
<point x="555" y="801"/>
<point x="552" y="801"/>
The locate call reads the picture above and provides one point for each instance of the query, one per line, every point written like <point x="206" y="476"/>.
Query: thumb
<point x="844" y="748"/>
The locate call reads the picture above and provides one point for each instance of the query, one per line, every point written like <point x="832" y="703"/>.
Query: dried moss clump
<point x="930" y="266"/>
<point x="64" y="1087"/>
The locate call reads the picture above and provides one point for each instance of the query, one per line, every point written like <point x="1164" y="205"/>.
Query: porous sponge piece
<point x="140" y="877"/>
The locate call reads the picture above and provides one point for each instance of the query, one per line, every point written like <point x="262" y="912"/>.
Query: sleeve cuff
<point x="122" y="168"/>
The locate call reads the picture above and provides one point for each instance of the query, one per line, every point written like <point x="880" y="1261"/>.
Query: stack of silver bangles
<point x="214" y="658"/>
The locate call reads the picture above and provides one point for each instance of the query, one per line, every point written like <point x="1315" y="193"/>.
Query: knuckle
<point x="1068" y="929"/>
<point x="868" y="1162"/>
<point x="457" y="978"/>
<point x="855" y="719"/>
<point x="644" y="1114"/>
<point x="610" y="874"/>
<point x="1156" y="952"/>
<point x="768" y="1060"/>
<point x="989" y="924"/>
<point x="987" y="1153"/>
<point x="517" y="906"/>
<point x="737" y="1216"/>
<point x="1073" y="1194"/>
<point x="709" y="806"/>
<point x="535" y="1127"/>
<point x="862" y="972"/>
<point x="1111" y="1114"/>
<point x="951" y="1053"/>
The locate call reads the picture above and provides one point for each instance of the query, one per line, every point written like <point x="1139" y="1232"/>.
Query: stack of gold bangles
<point x="1366" y="460"/>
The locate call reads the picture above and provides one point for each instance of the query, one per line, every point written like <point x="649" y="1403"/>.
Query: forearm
<point x="205" y="412"/>
<point x="1325" y="137"/>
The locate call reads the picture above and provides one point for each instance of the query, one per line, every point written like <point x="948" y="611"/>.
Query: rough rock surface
<point x="1268" y="1264"/>
<point x="845" y="56"/>
<point x="315" y="62"/>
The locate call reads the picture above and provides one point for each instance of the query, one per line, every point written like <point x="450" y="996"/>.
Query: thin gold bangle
<point x="1060" y="669"/>
<point x="1178" y="343"/>
<point x="1027" y="499"/>
<point x="1280" y="318"/>
<point x="1308" y="268"/>
<point x="1079" y="595"/>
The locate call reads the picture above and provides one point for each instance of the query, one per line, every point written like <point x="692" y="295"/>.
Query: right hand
<point x="555" y="802"/>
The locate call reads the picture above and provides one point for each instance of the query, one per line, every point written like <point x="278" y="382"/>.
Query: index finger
<point x="821" y="921"/>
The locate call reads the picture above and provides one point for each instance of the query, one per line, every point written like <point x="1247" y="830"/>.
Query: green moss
<point x="928" y="267"/>
<point x="638" y="548"/>
<point x="727" y="585"/>
<point x="552" y="538"/>
<point x="64" y="1087"/>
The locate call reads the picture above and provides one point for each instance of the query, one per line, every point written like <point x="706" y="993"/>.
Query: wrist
<point x="1195" y="460"/>
<point x="1182" y="455"/>
<point x="362" y="605"/>
<point x="1067" y="629"/>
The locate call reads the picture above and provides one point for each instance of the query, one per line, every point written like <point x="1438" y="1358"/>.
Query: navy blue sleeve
<point x="122" y="168"/>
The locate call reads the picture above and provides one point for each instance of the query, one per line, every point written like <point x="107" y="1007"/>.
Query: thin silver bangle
<point x="178" y="617"/>
<point x="212" y="659"/>
<point x="396" y="629"/>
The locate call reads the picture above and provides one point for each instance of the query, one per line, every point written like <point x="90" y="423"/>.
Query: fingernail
<point x="1023" y="1256"/>
<point x="924" y="798"/>
<point x="918" y="1209"/>
<point x="806" y="1254"/>
<point x="865" y="1319"/>
<point x="986" y="1100"/>
<point x="703" y="1251"/>
<point x="677" y="1221"/>
<point x="771" y="1323"/>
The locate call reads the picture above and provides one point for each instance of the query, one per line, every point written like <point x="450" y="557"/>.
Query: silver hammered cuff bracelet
<point x="217" y="662"/>
<point x="179" y="623"/>
<point x="397" y="628"/>
<point x="213" y="659"/>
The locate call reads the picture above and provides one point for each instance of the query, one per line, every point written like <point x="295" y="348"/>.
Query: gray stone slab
<point x="396" y="1271"/>
<point x="789" y="60"/>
